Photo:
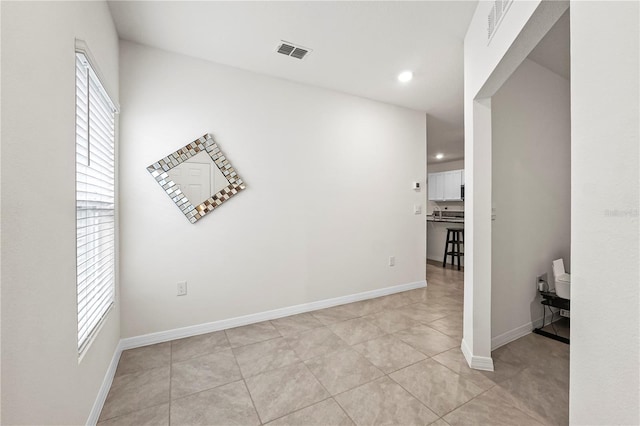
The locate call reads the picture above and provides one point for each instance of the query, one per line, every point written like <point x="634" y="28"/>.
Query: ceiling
<point x="357" y="47"/>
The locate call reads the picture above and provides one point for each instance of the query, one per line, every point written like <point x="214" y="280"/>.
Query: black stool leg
<point x="453" y="249"/>
<point x="446" y="247"/>
<point x="462" y="241"/>
<point x="457" y="249"/>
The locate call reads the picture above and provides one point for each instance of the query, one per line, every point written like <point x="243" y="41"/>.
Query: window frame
<point x="95" y="77"/>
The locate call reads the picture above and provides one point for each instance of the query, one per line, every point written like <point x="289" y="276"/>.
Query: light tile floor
<point x="394" y="360"/>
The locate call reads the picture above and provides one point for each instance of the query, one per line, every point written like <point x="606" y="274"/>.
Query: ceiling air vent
<point x="498" y="10"/>
<point x="290" y="49"/>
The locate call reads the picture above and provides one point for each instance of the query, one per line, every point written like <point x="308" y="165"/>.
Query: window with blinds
<point x="95" y="200"/>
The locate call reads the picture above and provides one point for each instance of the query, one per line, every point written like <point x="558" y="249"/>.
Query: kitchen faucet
<point x="439" y="213"/>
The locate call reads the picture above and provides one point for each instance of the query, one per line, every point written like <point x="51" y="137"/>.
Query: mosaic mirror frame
<point x="160" y="172"/>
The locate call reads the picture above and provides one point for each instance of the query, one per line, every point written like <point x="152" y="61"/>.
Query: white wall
<point x="446" y="166"/>
<point x="328" y="195"/>
<point x="483" y="57"/>
<point x="42" y="380"/>
<point x="487" y="66"/>
<point x="605" y="356"/>
<point x="531" y="191"/>
<point x="604" y="219"/>
<point x="0" y="229"/>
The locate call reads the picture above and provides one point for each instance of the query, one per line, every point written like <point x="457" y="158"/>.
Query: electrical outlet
<point x="392" y="260"/>
<point x="542" y="279"/>
<point x="182" y="288"/>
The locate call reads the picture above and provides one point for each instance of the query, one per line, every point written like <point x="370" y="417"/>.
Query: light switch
<point x="417" y="209"/>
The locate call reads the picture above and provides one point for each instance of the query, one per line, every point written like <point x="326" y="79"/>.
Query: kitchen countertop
<point x="430" y="218"/>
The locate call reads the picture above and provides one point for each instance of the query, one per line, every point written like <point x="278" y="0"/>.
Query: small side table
<point x="552" y="300"/>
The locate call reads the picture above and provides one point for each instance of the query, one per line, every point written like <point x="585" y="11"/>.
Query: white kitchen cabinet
<point x="446" y="186"/>
<point x="436" y="186"/>
<point x="452" y="185"/>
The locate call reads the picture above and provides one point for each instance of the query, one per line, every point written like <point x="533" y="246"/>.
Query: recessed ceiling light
<point x="439" y="156"/>
<point x="405" y="76"/>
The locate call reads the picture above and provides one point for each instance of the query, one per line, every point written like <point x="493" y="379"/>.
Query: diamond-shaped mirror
<point x="198" y="177"/>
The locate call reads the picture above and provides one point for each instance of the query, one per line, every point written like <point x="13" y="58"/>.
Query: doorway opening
<point x="531" y="191"/>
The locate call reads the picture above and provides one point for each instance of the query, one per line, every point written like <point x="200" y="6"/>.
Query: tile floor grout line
<point x="204" y="390"/>
<point x="450" y="369"/>
<point x="182" y="361"/>
<point x="482" y="393"/>
<point x="415" y="397"/>
<point x="408" y="365"/>
<point x="344" y="410"/>
<point x="363" y="341"/>
<point x="131" y="412"/>
<point x="200" y="355"/>
<point x="411" y="393"/>
<point x="286" y="340"/>
<point x="255" y="343"/>
<point x="316" y="356"/>
<point x="363" y="315"/>
<point x="385" y="333"/>
<point x="317" y="379"/>
<point x="280" y="368"/>
<point x="306" y="406"/>
<point x="253" y="403"/>
<point x="347" y="390"/>
<point x="300" y="409"/>
<point x="252" y="343"/>
<point x="426" y="354"/>
<point x="244" y="381"/>
<point x="360" y="385"/>
<point x="466" y="402"/>
<point x="393" y="381"/>
<point x="317" y="402"/>
<point x="432" y="357"/>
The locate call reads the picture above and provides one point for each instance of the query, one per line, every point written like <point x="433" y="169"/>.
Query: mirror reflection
<point x="198" y="178"/>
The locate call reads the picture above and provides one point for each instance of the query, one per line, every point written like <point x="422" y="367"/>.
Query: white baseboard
<point x="516" y="333"/>
<point x="484" y="363"/>
<point x="94" y="415"/>
<point x="438" y="259"/>
<point x="194" y="330"/>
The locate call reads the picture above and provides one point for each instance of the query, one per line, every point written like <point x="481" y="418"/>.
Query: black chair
<point x="455" y="237"/>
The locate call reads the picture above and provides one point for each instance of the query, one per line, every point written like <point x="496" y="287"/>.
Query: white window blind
<point x="95" y="200"/>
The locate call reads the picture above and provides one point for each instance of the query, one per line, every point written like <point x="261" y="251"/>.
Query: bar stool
<point x="455" y="237"/>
